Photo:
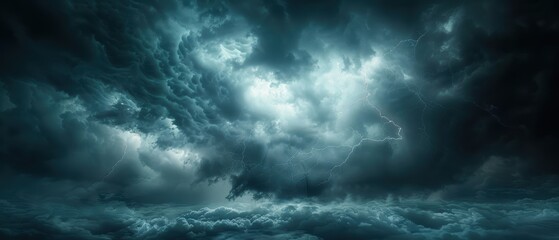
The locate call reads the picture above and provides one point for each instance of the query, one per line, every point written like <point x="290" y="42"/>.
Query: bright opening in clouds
<point x="278" y="119"/>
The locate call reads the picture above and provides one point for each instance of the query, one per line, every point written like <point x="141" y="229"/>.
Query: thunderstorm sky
<point x="178" y="119"/>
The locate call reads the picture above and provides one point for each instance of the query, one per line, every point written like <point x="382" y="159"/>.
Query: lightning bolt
<point x="351" y="148"/>
<point x="302" y="157"/>
<point x="362" y="139"/>
<point x="307" y="156"/>
<point x="367" y="139"/>
<point x="417" y="92"/>
<point x="411" y="42"/>
<point x="112" y="168"/>
<point x="119" y="160"/>
<point x="490" y="109"/>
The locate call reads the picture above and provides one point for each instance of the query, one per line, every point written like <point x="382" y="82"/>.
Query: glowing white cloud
<point x="218" y="54"/>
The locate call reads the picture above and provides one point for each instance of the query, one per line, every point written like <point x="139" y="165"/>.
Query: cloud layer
<point x="200" y="102"/>
<point x="524" y="219"/>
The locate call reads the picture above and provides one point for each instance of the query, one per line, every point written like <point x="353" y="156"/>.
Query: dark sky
<point x="279" y="119"/>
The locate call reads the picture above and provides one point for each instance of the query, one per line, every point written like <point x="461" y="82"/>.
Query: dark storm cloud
<point x="81" y="81"/>
<point x="148" y="102"/>
<point x="498" y="69"/>
<point x="482" y="79"/>
<point x="314" y="108"/>
<point x="525" y="219"/>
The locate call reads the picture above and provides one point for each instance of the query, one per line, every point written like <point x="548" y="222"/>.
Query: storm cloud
<point x="304" y="104"/>
<point x="524" y="219"/>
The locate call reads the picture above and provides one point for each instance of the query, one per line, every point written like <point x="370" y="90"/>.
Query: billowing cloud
<point x="202" y="102"/>
<point x="390" y="219"/>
